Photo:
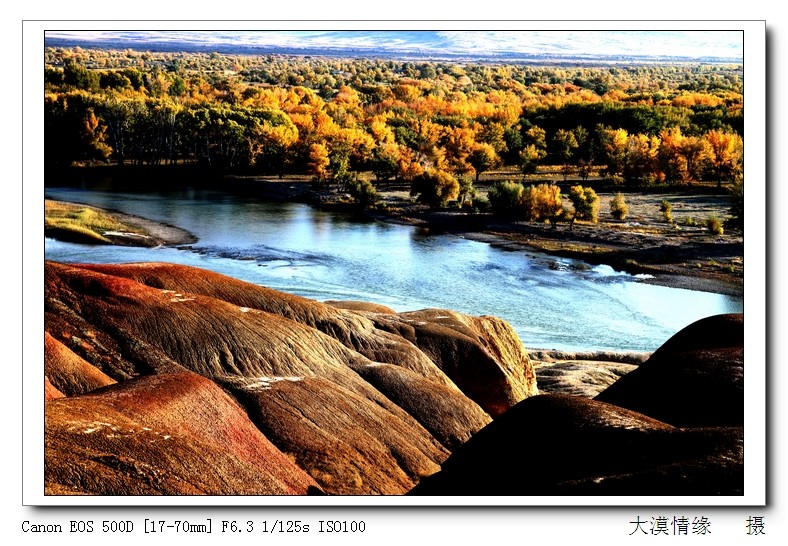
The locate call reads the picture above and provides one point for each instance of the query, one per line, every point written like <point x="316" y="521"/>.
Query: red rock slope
<point x="366" y="403"/>
<point x="177" y="434"/>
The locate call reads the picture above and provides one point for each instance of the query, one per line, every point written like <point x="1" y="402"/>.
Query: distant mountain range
<point x="474" y="45"/>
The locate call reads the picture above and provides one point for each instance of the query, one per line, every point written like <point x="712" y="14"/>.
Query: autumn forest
<point x="352" y="122"/>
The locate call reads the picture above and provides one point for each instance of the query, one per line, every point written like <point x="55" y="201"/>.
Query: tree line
<point x="438" y="126"/>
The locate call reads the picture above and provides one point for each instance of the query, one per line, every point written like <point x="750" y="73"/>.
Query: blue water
<point x="551" y="302"/>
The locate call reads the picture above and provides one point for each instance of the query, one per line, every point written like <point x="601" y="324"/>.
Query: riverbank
<point x="680" y="254"/>
<point x="80" y="223"/>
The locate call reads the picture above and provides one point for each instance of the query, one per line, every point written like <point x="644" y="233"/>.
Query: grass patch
<point x="75" y="222"/>
<point x="714" y="225"/>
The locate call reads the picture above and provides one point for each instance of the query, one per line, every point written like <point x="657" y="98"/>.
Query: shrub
<point x="586" y="203"/>
<point x="690" y="221"/>
<point x="506" y="198"/>
<point x="435" y="188"/>
<point x="543" y="202"/>
<point x="481" y="204"/>
<point x="714" y="225"/>
<point x="667" y="210"/>
<point x="363" y="192"/>
<point x="619" y="207"/>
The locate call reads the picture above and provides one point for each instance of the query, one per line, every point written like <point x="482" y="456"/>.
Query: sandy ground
<point x="163" y="234"/>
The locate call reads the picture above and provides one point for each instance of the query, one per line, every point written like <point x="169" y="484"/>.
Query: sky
<point x="693" y="44"/>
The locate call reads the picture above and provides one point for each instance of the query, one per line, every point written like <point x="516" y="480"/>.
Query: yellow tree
<point x="543" y="202"/>
<point x="271" y="145"/>
<point x="379" y="129"/>
<point x="94" y="135"/>
<point x="346" y="107"/>
<point x="408" y="166"/>
<point x="613" y="144"/>
<point x="586" y="204"/>
<point x="458" y="143"/>
<point x="318" y="162"/>
<point x="640" y="162"/>
<point x="697" y="152"/>
<point x="726" y="155"/>
<point x="672" y="161"/>
<point x="483" y="158"/>
<point x="435" y="187"/>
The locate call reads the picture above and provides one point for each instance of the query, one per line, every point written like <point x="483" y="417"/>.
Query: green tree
<point x="467" y="192"/>
<point x="363" y="192"/>
<point x="79" y="77"/>
<point x="114" y="80"/>
<point x="530" y="156"/>
<point x="565" y="145"/>
<point x="385" y="158"/>
<point x="534" y="149"/>
<point x="586" y="204"/>
<point x="506" y="198"/>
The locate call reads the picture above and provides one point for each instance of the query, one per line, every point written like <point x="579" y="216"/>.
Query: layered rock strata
<point x="364" y="401"/>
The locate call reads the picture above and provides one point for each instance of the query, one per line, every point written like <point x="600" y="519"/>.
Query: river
<point x="551" y="302"/>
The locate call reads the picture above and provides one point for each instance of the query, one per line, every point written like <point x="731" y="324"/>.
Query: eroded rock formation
<point x="366" y="401"/>
<point x="567" y="445"/>
<point x="173" y="434"/>
<point x="674" y="426"/>
<point x="167" y="379"/>
<point x="694" y="379"/>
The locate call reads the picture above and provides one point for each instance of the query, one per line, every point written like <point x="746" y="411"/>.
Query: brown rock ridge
<point x="162" y="435"/>
<point x="51" y="392"/>
<point x="566" y="445"/>
<point x="680" y="433"/>
<point x="361" y="407"/>
<point x="696" y="378"/>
